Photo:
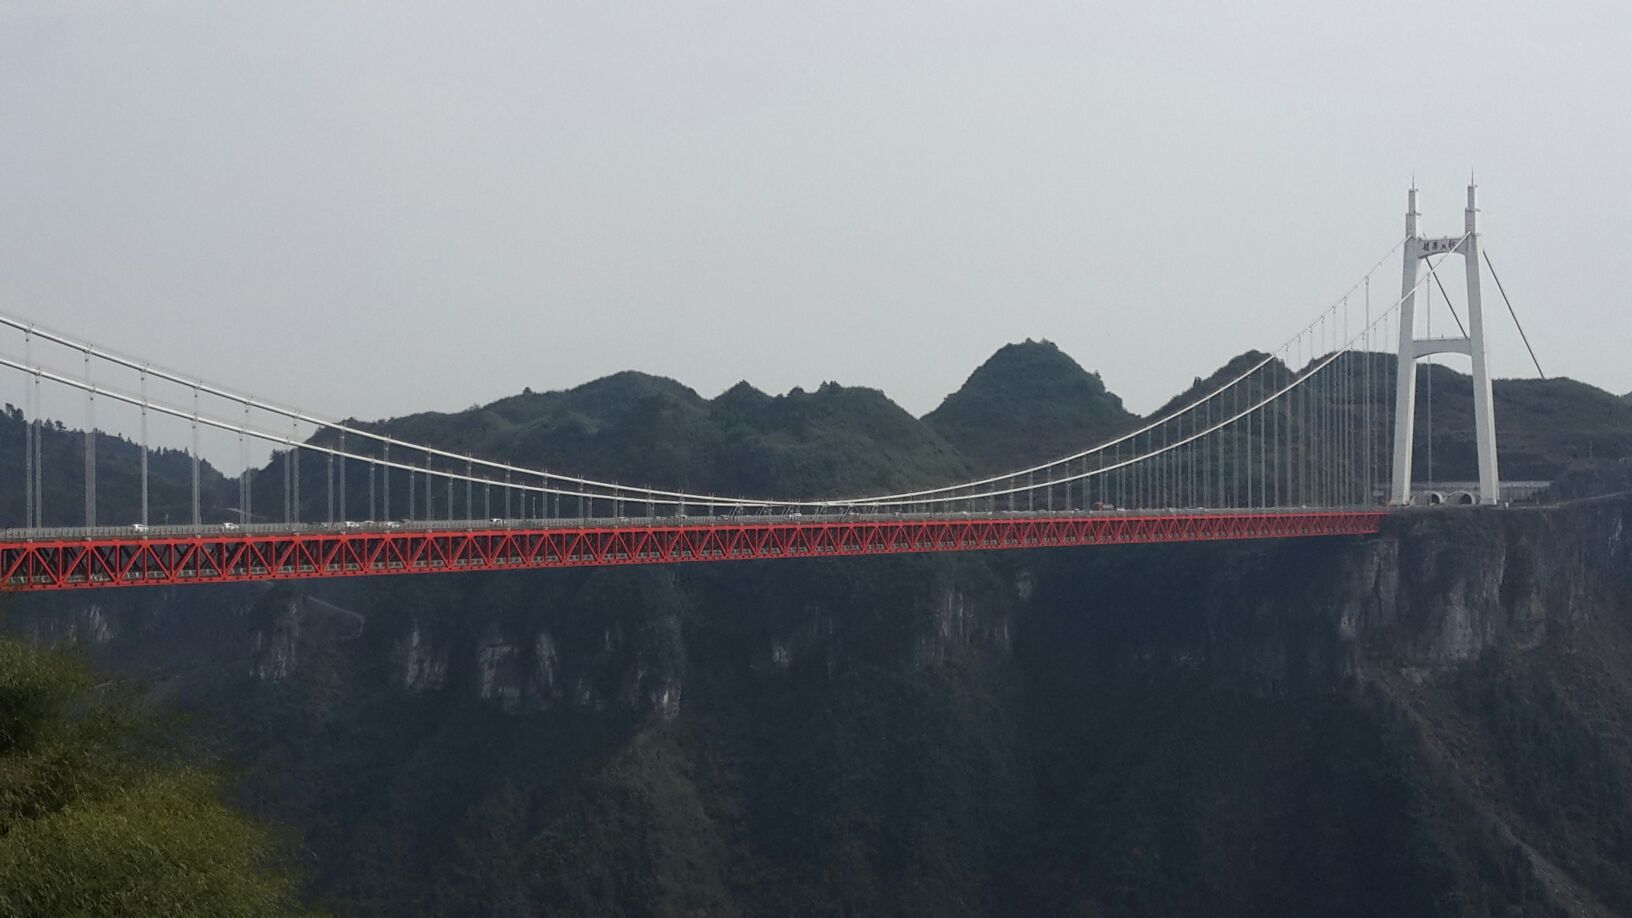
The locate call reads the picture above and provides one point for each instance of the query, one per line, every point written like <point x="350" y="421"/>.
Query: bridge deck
<point x="113" y="558"/>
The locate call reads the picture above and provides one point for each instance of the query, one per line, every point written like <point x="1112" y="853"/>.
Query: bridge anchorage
<point x="1288" y="443"/>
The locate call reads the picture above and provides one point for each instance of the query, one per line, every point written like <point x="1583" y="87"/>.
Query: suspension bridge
<point x="1299" y="442"/>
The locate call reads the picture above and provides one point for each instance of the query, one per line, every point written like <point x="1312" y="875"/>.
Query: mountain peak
<point x="629" y="385"/>
<point x="1029" y="401"/>
<point x="1032" y="364"/>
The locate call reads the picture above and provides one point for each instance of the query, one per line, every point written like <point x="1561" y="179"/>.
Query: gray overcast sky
<point x="370" y="209"/>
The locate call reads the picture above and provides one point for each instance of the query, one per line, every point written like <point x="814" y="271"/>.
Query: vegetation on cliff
<point x="95" y="820"/>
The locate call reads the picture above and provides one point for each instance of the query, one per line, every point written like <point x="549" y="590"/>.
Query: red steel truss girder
<point x="27" y="565"/>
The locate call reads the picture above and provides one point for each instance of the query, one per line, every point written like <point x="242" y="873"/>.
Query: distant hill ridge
<point x="646" y="429"/>
<point x="1029" y="402"/>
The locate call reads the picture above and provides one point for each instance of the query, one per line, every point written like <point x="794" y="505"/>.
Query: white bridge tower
<point x="1413" y="349"/>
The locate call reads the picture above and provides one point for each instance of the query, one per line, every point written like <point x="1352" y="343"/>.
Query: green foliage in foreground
<point x="93" y="822"/>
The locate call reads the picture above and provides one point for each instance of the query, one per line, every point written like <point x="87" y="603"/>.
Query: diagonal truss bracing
<point x="42" y="565"/>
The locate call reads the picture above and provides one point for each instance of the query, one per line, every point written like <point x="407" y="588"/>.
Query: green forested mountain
<point x="118" y="464"/>
<point x="643" y="429"/>
<point x="1027" y="403"/>
<point x="1030" y="402"/>
<point x="1543" y="426"/>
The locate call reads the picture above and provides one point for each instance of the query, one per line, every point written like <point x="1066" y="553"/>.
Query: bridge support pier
<point x="1412" y="349"/>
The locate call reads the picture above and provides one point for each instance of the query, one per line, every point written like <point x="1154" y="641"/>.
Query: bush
<point x="96" y="820"/>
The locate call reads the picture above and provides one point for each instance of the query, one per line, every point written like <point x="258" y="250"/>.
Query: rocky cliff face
<point x="1474" y="582"/>
<point x="1429" y="721"/>
<point x="1436" y="590"/>
<point x="1400" y="725"/>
